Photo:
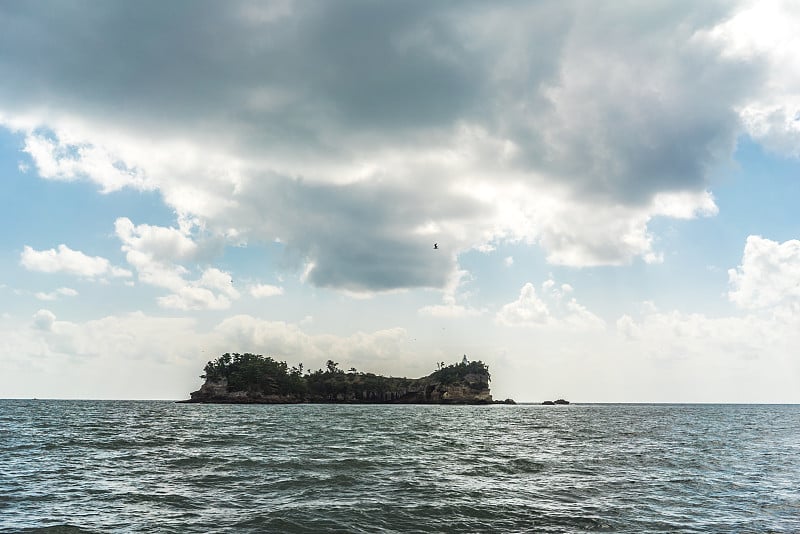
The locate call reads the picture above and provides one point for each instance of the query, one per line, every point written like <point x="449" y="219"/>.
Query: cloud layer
<point x="359" y="134"/>
<point x="769" y="275"/>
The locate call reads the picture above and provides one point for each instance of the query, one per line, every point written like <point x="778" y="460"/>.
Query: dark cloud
<point x="361" y="236"/>
<point x="642" y="103"/>
<point x="318" y="67"/>
<point x="621" y="99"/>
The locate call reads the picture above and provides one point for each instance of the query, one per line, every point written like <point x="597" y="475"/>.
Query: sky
<point x="612" y="186"/>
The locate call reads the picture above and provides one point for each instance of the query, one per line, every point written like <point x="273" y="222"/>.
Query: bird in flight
<point x="436" y="246"/>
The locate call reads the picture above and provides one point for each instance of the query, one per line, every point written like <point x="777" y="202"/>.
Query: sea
<point x="158" y="466"/>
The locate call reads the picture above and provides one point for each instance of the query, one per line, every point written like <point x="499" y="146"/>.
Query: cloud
<point x="53" y="295"/>
<point x="154" y="252"/>
<point x="769" y="275"/>
<point x="212" y="291"/>
<point x="220" y="281"/>
<point x="359" y="134"/>
<point x="449" y="311"/>
<point x="552" y="309"/>
<point x="666" y="355"/>
<point x="527" y="310"/>
<point x="626" y="122"/>
<point x="361" y="236"/>
<point x="453" y="296"/>
<point x="245" y="333"/>
<point x="157" y="242"/>
<point x="260" y="291"/>
<point x="118" y="340"/>
<point x="765" y="31"/>
<point x="675" y="336"/>
<point x="69" y="261"/>
<point x="580" y="234"/>
<point x="133" y="336"/>
<point x="59" y="160"/>
<point x="44" y="320"/>
<point x="288" y="341"/>
<point x="194" y="298"/>
<point x="131" y="351"/>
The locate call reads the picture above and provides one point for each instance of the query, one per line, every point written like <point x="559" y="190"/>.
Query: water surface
<point x="125" y="466"/>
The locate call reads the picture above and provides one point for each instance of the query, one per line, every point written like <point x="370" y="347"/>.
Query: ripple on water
<point x="163" y="467"/>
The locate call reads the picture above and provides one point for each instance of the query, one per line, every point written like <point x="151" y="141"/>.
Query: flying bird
<point x="436" y="246"/>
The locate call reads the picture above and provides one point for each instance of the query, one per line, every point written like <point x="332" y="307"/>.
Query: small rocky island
<point x="256" y="379"/>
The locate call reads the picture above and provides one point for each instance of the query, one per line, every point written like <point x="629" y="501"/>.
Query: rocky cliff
<point x="256" y="379"/>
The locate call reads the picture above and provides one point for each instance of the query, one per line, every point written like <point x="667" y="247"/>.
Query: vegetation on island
<point x="256" y="373"/>
<point x="449" y="374"/>
<point x="262" y="375"/>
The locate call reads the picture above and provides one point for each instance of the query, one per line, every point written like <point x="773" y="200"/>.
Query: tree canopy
<point x="458" y="371"/>
<point x="254" y="373"/>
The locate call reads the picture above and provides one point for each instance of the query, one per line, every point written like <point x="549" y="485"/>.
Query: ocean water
<point x="124" y="466"/>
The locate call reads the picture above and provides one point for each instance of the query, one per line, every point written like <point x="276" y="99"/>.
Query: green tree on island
<point x="257" y="374"/>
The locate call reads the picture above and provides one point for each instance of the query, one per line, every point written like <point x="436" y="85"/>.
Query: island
<point x="256" y="379"/>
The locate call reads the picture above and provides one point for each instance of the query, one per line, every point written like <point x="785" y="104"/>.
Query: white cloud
<point x="153" y="251"/>
<point x="156" y="273"/>
<point x="194" y="298"/>
<point x="684" y="205"/>
<point x="449" y="311"/>
<point x="527" y="310"/>
<point x="275" y="338"/>
<point x="53" y="295"/>
<point x="58" y="159"/>
<point x="220" y="281"/>
<point x="579" y="232"/>
<point x="245" y="333"/>
<point x="44" y="320"/>
<point x="674" y="336"/>
<point x="158" y="242"/>
<point x="114" y="357"/>
<point x="260" y="291"/>
<point x="550" y="310"/>
<point x="212" y="291"/>
<point x="766" y="31"/>
<point x="578" y="316"/>
<point x="118" y="338"/>
<point x="452" y="297"/>
<point x="769" y="275"/>
<point x="66" y="260"/>
<point x="63" y="354"/>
